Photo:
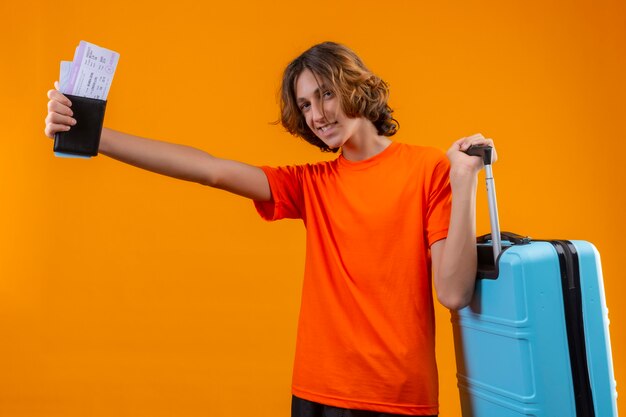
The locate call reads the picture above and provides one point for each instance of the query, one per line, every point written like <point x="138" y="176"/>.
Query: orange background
<point x="131" y="294"/>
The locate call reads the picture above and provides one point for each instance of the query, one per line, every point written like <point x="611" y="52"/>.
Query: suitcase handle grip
<point x="484" y="151"/>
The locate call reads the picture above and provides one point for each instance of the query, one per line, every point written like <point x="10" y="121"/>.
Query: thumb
<point x="56" y="85"/>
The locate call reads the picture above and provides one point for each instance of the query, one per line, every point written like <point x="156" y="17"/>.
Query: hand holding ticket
<point x="88" y="76"/>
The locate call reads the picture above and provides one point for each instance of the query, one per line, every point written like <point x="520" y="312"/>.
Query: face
<point x="322" y="111"/>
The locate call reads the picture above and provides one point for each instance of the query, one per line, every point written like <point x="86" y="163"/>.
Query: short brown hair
<point x="362" y="93"/>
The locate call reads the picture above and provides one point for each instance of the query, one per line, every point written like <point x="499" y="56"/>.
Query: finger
<point x="458" y="144"/>
<point x="481" y="142"/>
<point x="57" y="107"/>
<point x="60" y="119"/>
<point x="466" y="142"/>
<point x="53" y="128"/>
<point x="56" y="85"/>
<point x="478" y="140"/>
<point x="484" y="141"/>
<point x="58" y="96"/>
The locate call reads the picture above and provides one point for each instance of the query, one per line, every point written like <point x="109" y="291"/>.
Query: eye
<point x="305" y="106"/>
<point x="328" y="94"/>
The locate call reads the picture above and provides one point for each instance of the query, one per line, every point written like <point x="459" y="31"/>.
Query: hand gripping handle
<point x="485" y="152"/>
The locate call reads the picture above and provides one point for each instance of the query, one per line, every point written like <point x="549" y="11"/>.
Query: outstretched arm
<point x="455" y="258"/>
<point x="178" y="161"/>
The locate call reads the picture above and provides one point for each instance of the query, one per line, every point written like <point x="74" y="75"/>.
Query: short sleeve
<point x="287" y="195"/>
<point x="439" y="201"/>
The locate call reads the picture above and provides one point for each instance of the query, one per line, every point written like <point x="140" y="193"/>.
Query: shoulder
<point x="319" y="169"/>
<point x="301" y="171"/>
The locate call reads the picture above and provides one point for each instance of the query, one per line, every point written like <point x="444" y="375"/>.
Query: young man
<point x="378" y="218"/>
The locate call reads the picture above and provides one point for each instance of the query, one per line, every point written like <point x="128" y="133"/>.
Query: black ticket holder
<point x="84" y="137"/>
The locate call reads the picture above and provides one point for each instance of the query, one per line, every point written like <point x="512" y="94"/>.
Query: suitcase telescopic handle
<point x="485" y="152"/>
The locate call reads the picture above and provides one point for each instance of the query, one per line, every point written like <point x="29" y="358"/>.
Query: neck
<point x="365" y="144"/>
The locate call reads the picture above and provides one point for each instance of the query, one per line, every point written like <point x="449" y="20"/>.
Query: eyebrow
<point x="315" y="92"/>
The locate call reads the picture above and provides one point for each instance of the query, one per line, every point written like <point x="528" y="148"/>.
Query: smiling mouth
<point x="326" y="127"/>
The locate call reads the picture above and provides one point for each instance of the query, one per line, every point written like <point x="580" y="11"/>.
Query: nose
<point x="317" y="113"/>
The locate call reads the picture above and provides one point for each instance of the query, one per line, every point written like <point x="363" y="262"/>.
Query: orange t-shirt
<point x="366" y="333"/>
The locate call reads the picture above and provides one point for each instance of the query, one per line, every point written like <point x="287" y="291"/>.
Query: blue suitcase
<point x="534" y="340"/>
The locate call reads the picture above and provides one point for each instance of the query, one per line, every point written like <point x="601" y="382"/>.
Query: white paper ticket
<point x="91" y="72"/>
